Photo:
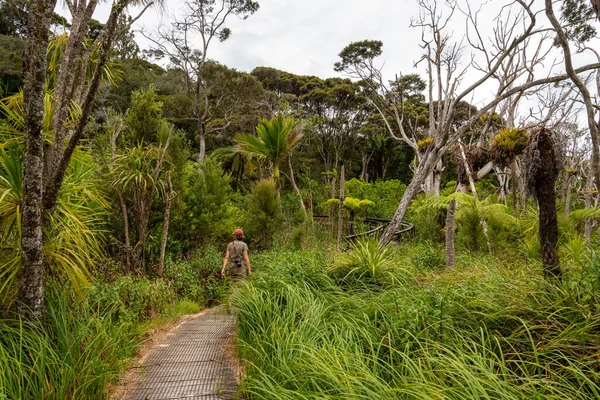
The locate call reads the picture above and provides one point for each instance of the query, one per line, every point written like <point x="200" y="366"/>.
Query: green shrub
<point x="133" y="299"/>
<point x="198" y="279"/>
<point x="263" y="214"/>
<point x="206" y="213"/>
<point x="367" y="261"/>
<point x="385" y="195"/>
<point x="428" y="256"/>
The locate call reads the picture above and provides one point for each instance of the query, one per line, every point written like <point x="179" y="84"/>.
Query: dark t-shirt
<point x="236" y="250"/>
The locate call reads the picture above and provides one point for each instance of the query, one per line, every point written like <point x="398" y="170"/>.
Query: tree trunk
<point x="296" y="189"/>
<point x="332" y="208"/>
<point x="56" y="177"/>
<point x="31" y="275"/>
<point x="165" y="234"/>
<point x="586" y="97"/>
<point x="113" y="144"/>
<point x="341" y="209"/>
<point x="514" y="182"/>
<point x="411" y="191"/>
<point x="545" y="193"/>
<point x="502" y="181"/>
<point x="143" y="204"/>
<point x="202" y="142"/>
<point x="364" y="174"/>
<point x="568" y="195"/>
<point x="588" y="190"/>
<point x="65" y="78"/>
<point x="432" y="186"/>
<point x="125" y="229"/>
<point x="450" y="226"/>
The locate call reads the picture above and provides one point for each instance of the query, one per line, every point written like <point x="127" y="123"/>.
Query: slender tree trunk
<point x="545" y="193"/>
<point x="501" y="177"/>
<point x="296" y="189"/>
<point x="125" y="229"/>
<point x="117" y="132"/>
<point x="482" y="220"/>
<point x="31" y="275"/>
<point x="332" y="208"/>
<point x="341" y="209"/>
<point x="364" y="174"/>
<point x="65" y="78"/>
<point x="202" y="142"/>
<point x="514" y="182"/>
<point x="413" y="188"/>
<point x="450" y="226"/>
<point x="56" y="177"/>
<point x="143" y="204"/>
<point x="432" y="185"/>
<point x="588" y="190"/>
<point x="568" y="195"/>
<point x="165" y="234"/>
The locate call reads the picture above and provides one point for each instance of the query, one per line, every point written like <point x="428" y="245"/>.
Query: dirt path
<point x="192" y="362"/>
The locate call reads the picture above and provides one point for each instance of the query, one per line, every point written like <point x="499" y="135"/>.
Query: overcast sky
<point x="305" y="36"/>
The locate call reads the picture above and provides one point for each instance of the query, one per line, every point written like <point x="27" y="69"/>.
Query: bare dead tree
<point x="581" y="86"/>
<point x="519" y="28"/>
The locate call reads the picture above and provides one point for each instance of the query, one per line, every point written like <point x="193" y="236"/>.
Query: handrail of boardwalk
<point x="380" y="224"/>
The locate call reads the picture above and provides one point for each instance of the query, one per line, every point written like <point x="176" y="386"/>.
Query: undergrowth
<point x="384" y="327"/>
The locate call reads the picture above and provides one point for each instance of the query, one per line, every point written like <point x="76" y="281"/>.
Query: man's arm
<point x="225" y="262"/>
<point x="247" y="262"/>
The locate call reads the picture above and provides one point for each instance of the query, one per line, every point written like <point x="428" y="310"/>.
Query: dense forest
<point x="417" y="235"/>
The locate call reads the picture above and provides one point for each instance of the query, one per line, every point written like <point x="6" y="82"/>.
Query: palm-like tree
<point x="75" y="228"/>
<point x="274" y="140"/>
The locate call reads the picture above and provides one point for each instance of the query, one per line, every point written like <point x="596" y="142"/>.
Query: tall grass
<point x="487" y="330"/>
<point x="72" y="354"/>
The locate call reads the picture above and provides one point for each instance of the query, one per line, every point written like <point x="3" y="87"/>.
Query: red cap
<point x="238" y="232"/>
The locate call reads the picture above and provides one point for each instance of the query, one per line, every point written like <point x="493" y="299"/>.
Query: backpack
<point x="237" y="261"/>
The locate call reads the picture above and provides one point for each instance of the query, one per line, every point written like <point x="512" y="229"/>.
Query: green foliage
<point x="75" y="230"/>
<point x="133" y="299"/>
<point x="483" y="330"/>
<point x="367" y="261"/>
<point x="206" y="212"/>
<point x="385" y="195"/>
<point x="74" y="354"/>
<point x="428" y="215"/>
<point x="508" y="144"/>
<point x="198" y="279"/>
<point x="428" y="256"/>
<point x="11" y="64"/>
<point x="137" y="75"/>
<point x="578" y="16"/>
<point x="263" y="213"/>
<point x="145" y="122"/>
<point x="356" y="205"/>
<point x="275" y="139"/>
<point x="357" y="53"/>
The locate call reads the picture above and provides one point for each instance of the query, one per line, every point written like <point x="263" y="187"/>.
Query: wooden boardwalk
<point x="191" y="363"/>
